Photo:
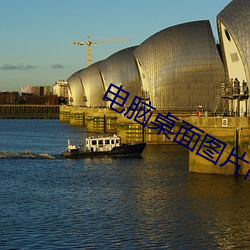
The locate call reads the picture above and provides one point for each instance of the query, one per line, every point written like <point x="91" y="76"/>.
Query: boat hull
<point x="126" y="150"/>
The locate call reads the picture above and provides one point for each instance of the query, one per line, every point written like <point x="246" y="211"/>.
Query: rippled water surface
<point x="148" y="203"/>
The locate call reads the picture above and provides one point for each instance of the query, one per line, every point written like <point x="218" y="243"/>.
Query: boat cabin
<point x="104" y="143"/>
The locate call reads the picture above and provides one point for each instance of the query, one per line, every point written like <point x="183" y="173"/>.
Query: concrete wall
<point x="213" y="126"/>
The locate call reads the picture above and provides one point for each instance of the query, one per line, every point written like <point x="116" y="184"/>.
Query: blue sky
<point x="36" y="35"/>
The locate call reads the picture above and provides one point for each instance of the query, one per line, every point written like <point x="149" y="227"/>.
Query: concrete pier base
<point x="64" y="113"/>
<point x="97" y="120"/>
<point x="235" y="132"/>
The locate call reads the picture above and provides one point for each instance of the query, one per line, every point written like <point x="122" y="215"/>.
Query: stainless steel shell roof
<point x="120" y="69"/>
<point x="93" y="85"/>
<point x="181" y="67"/>
<point x="236" y="18"/>
<point x="76" y="91"/>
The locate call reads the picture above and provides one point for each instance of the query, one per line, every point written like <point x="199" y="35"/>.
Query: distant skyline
<point x="36" y="35"/>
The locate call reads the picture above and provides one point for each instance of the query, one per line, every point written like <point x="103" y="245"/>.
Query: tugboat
<point x="96" y="146"/>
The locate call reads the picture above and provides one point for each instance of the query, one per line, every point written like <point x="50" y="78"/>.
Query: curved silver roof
<point x="93" y="85"/>
<point x="180" y="67"/>
<point x="234" y="31"/>
<point x="75" y="88"/>
<point x="236" y="18"/>
<point x="120" y="69"/>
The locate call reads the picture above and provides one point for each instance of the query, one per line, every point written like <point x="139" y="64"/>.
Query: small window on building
<point x="94" y="142"/>
<point x="107" y="142"/>
<point x="227" y="35"/>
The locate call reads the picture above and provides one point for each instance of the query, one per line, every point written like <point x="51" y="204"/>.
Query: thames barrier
<point x="183" y="70"/>
<point x="232" y="131"/>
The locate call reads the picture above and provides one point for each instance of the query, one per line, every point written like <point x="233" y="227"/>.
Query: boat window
<point x="107" y="142"/>
<point x="117" y="141"/>
<point x="93" y="142"/>
<point x="100" y="142"/>
<point x="112" y="141"/>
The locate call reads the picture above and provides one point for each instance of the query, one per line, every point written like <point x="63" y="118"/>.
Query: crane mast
<point x="89" y="43"/>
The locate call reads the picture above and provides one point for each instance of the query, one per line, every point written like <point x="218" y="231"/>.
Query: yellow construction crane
<point x="89" y="43"/>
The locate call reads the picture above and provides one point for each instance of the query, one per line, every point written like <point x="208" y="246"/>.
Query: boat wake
<point x="26" y="154"/>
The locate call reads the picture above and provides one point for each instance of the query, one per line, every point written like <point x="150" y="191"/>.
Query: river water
<point x="150" y="203"/>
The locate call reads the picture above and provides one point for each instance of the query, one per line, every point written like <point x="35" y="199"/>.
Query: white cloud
<point x="57" y="66"/>
<point x="21" y="66"/>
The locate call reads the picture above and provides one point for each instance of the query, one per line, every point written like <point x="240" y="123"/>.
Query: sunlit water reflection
<point x="107" y="203"/>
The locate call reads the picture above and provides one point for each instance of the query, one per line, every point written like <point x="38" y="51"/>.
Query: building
<point x="37" y="90"/>
<point x="38" y="95"/>
<point x="9" y="97"/>
<point x="234" y="33"/>
<point x="178" y="69"/>
<point x="60" y="89"/>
